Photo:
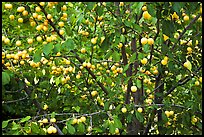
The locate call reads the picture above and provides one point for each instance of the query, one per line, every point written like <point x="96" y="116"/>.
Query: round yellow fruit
<point x="120" y="45"/>
<point x="42" y="3"/>
<point x="116" y="131"/>
<point x="144" y="41"/>
<point x="186" y="64"/>
<point x="167" y="113"/>
<point x="140" y="110"/>
<point x="49" y="16"/>
<point x="150" y="41"/>
<point x="48" y="39"/>
<point x="144" y="8"/>
<point x="166" y="58"/>
<point x="37" y="9"/>
<point x="94" y="93"/>
<point x="40" y="17"/>
<point x="45" y="120"/>
<point x="64" y="8"/>
<point x="53" y="120"/>
<point x="30" y="41"/>
<point x="83" y="50"/>
<point x="61" y="24"/>
<point x="49" y="130"/>
<point x="146" y="15"/>
<point x="20" y="9"/>
<point x="7" y="41"/>
<point x="20" y="20"/>
<point x="200" y="79"/>
<point x="194" y="120"/>
<point x="144" y="61"/>
<point x="54" y="130"/>
<point x="61" y="32"/>
<point x="25" y="13"/>
<point x="78" y="76"/>
<point x="11" y="17"/>
<point x="74" y="121"/>
<point x="133" y="88"/>
<point x="18" y="43"/>
<point x="121" y="4"/>
<point x="124" y="110"/>
<point x="45" y="107"/>
<point x="35" y="15"/>
<point x="171" y="112"/>
<point x="186" y="18"/>
<point x="189" y="49"/>
<point x="197" y="83"/>
<point x="39" y="38"/>
<point x="83" y="119"/>
<point x="93" y="40"/>
<point x="8" y="6"/>
<point x="164" y="62"/>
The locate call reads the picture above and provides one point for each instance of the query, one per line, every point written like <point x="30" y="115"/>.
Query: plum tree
<point x="101" y="68"/>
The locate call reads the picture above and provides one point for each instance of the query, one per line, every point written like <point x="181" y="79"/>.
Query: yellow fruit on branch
<point x="144" y="61"/>
<point x="140" y="110"/>
<point x="133" y="88"/>
<point x="146" y="15"/>
<point x="175" y="16"/>
<point x="144" y="41"/>
<point x="124" y="110"/>
<point x="150" y="41"/>
<point x="164" y="62"/>
<point x="186" y="18"/>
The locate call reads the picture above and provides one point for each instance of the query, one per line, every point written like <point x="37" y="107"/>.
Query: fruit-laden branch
<point x="78" y="58"/>
<point x="91" y="73"/>
<point x="37" y="104"/>
<point x="51" y="23"/>
<point x="185" y="29"/>
<point x="182" y="82"/>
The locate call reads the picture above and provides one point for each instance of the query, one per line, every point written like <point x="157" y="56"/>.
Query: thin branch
<point x="185" y="29"/>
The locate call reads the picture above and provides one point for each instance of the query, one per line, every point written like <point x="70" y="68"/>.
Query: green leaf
<point x="112" y="128"/>
<point x="108" y="54"/>
<point x="47" y="48"/>
<point x="146" y="48"/>
<point x="97" y="129"/>
<point x="189" y="66"/>
<point x="139" y="116"/>
<point x="99" y="10"/>
<point x="57" y="81"/>
<point x="37" y="56"/>
<point x="139" y="85"/>
<point x="53" y="114"/>
<point x="71" y="129"/>
<point x="35" y="128"/>
<point x="106" y="106"/>
<point x="117" y="123"/>
<point x="122" y="38"/>
<point x="69" y="44"/>
<point x="5" y="78"/>
<point x="137" y="28"/>
<point x="127" y="23"/>
<point x="166" y="25"/>
<point x="5" y="123"/>
<point x="81" y="127"/>
<point x="133" y="57"/>
<point x="116" y="56"/>
<point x="15" y="126"/>
<point x="25" y="119"/>
<point x="125" y="68"/>
<point x="90" y="5"/>
<point x="140" y="56"/>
